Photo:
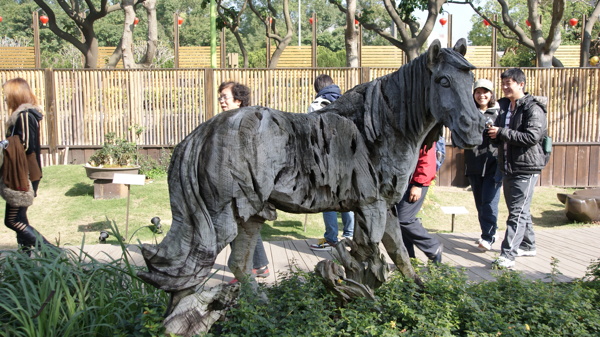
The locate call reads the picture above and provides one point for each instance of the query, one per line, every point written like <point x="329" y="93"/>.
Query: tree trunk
<point x="116" y="56"/>
<point x="587" y="36"/>
<point x="91" y="52"/>
<point x="152" y="41"/>
<point x="127" y="38"/>
<point x="243" y="50"/>
<point x="351" y="40"/>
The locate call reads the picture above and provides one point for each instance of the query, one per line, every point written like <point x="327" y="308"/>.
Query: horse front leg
<point x="364" y="263"/>
<point x="394" y="245"/>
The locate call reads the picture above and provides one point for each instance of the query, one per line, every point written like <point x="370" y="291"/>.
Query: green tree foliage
<point x="508" y="42"/>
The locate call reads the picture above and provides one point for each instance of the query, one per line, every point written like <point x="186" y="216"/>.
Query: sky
<point x="461" y="18"/>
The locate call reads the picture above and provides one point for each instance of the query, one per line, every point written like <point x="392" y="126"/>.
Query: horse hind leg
<point x="243" y="248"/>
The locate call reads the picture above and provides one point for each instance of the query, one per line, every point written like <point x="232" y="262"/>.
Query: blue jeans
<point x="331" y="225"/>
<point x="259" y="257"/>
<point x="486" y="191"/>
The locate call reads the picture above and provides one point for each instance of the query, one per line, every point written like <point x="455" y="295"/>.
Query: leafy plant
<point x="68" y="294"/>
<point x="115" y="152"/>
<point x="155" y="168"/>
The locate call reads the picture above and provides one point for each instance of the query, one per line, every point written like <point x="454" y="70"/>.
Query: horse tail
<point x="187" y="253"/>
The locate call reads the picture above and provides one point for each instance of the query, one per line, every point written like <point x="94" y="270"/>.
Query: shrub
<point x="115" y="152"/>
<point x="448" y="305"/>
<point x="155" y="168"/>
<point x="50" y="294"/>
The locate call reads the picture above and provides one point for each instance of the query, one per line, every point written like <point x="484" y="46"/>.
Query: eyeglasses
<point x="224" y="98"/>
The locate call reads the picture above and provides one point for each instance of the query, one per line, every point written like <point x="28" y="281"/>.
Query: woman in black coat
<point x="481" y="167"/>
<point x="21" y="170"/>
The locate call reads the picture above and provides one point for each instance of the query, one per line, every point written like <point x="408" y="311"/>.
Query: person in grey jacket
<point x="519" y="131"/>
<point x="481" y="167"/>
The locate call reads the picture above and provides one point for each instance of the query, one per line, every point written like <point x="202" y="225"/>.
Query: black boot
<point x="23" y="244"/>
<point x="29" y="237"/>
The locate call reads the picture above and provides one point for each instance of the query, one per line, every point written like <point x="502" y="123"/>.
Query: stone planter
<point x="103" y="176"/>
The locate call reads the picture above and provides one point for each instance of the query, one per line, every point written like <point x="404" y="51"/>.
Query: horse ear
<point x="461" y="46"/>
<point x="432" y="53"/>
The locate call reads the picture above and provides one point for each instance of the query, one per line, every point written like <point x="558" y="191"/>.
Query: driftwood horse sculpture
<point x="235" y="170"/>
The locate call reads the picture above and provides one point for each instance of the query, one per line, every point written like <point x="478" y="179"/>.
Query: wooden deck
<point x="574" y="249"/>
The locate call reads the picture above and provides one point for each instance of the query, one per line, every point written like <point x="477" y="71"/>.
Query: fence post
<point x="268" y="43"/>
<point x="365" y="74"/>
<point x="209" y="93"/>
<point x="314" y="41"/>
<point x="494" y="44"/>
<point x="51" y="120"/>
<point x="223" y="50"/>
<point x="583" y="51"/>
<point x="36" y="38"/>
<point x="176" y="39"/>
<point x="449" y="30"/>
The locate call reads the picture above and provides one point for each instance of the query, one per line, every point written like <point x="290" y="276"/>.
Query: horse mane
<point x="402" y="98"/>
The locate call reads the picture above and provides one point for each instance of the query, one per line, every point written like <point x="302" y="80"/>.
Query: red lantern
<point x="443" y="21"/>
<point x="486" y="23"/>
<point x="310" y="20"/>
<point x="355" y="22"/>
<point x="528" y="23"/>
<point x="136" y="21"/>
<point x="573" y="22"/>
<point x="44" y="19"/>
<point x="179" y="20"/>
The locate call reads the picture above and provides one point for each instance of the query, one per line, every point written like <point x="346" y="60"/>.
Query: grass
<point x="65" y="211"/>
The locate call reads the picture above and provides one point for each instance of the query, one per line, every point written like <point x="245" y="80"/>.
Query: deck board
<point x="575" y="249"/>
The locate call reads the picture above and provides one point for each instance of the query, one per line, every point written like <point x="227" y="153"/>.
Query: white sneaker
<point x="502" y="263"/>
<point x="323" y="244"/>
<point x="521" y="252"/>
<point x="484" y="245"/>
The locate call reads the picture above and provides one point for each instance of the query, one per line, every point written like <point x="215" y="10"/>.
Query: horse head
<point x="451" y="96"/>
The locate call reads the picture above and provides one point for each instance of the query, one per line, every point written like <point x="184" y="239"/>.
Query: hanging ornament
<point x="573" y="22"/>
<point x="44" y="19"/>
<point x="310" y="20"/>
<point x="180" y="20"/>
<point x="486" y="23"/>
<point x="355" y="22"/>
<point x="443" y="21"/>
<point x="136" y="21"/>
<point x="594" y="60"/>
<point x="0" y="19"/>
<point x="528" y="23"/>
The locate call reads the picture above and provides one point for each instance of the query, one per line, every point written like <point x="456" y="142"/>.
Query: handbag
<point x="15" y="172"/>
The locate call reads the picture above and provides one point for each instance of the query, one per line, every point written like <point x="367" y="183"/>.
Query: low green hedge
<point x="54" y="294"/>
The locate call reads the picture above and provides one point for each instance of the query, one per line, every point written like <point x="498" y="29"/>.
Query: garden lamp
<point x="103" y="236"/>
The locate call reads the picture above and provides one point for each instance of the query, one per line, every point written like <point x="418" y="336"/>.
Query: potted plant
<point x="117" y="155"/>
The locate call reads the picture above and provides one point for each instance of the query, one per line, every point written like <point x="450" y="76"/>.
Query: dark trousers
<point x="518" y="192"/>
<point x="413" y="232"/>
<point x="486" y="192"/>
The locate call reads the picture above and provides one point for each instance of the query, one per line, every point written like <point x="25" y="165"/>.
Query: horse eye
<point x="443" y="81"/>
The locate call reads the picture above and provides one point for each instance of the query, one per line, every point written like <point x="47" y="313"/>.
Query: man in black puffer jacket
<point x="519" y="131"/>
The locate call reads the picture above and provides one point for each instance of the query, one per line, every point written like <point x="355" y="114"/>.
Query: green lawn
<point x="65" y="211"/>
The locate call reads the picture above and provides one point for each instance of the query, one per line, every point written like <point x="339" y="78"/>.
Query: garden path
<point x="574" y="249"/>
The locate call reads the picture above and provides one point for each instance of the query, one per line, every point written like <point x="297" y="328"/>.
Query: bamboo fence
<point x="83" y="105"/>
